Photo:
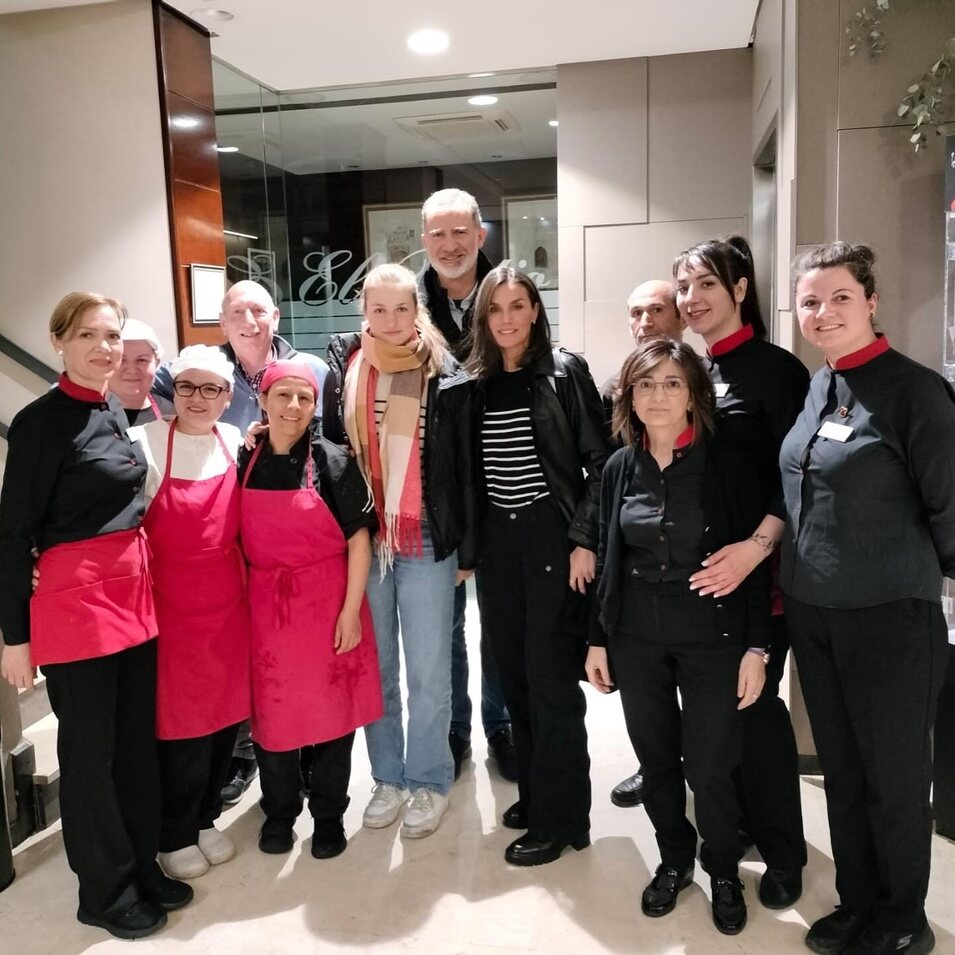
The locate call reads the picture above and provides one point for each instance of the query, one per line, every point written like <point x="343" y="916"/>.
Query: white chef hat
<point x="136" y="331"/>
<point x="202" y="358"/>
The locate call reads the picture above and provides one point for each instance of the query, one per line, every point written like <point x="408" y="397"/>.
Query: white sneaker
<point x="187" y="863"/>
<point x="425" y="809"/>
<point x="384" y="806"/>
<point x="215" y="846"/>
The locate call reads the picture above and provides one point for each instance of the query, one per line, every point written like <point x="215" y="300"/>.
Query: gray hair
<point x="450" y="200"/>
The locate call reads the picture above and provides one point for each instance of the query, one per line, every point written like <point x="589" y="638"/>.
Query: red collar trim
<point x="684" y="438"/>
<point x="864" y="355"/>
<point x="725" y="345"/>
<point x="74" y="390"/>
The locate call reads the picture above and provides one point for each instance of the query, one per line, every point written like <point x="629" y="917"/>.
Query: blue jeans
<point x="418" y="592"/>
<point x="494" y="713"/>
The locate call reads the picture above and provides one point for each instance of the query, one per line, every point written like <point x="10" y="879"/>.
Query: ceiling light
<point x="482" y="100"/>
<point x="477" y="76"/>
<point x="428" y="41"/>
<point x="553" y="122"/>
<point x="227" y="149"/>
<point x="185" y="122"/>
<point x="212" y="14"/>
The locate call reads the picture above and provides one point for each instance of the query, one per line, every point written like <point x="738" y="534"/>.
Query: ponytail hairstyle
<point x="858" y="259"/>
<point x="397" y="276"/>
<point x="730" y="260"/>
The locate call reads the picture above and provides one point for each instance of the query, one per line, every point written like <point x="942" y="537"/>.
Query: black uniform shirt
<point x="336" y="477"/>
<point x="661" y="517"/>
<point x="871" y="509"/>
<point x="760" y="390"/>
<point x="71" y="474"/>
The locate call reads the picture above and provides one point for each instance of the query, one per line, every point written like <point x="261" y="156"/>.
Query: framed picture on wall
<point x="530" y="236"/>
<point x="208" y="290"/>
<point x="393" y="234"/>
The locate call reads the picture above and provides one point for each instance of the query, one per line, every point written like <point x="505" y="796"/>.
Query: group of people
<point x="669" y="541"/>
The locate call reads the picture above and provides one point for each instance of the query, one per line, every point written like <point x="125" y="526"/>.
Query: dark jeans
<point x="109" y="773"/>
<point x="536" y="626"/>
<point x="280" y="776"/>
<point x="494" y="713"/>
<point x="768" y="777"/>
<point x="192" y="772"/>
<point x="673" y="643"/>
<point x="871" y="679"/>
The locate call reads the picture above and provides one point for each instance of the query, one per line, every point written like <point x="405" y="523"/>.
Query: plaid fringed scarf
<point x="389" y="457"/>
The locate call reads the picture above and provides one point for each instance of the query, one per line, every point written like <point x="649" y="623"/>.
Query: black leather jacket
<point x="450" y="493"/>
<point x="571" y="438"/>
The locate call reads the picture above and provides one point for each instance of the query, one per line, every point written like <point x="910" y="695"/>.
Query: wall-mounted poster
<point x="393" y="234"/>
<point x="208" y="291"/>
<point x="530" y="237"/>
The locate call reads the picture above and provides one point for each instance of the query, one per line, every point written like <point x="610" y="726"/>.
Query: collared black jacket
<point x="570" y="436"/>
<point x="450" y="494"/>
<point x="435" y="300"/>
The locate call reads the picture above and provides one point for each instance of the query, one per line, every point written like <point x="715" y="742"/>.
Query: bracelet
<point x="760" y="651"/>
<point x="764" y="541"/>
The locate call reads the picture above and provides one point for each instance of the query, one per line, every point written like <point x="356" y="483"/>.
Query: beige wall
<point x="859" y="178"/>
<point x="653" y="154"/>
<point x="82" y="181"/>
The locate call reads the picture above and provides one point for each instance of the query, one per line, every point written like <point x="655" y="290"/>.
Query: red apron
<point x="202" y="682"/>
<point x="94" y="598"/>
<point x="302" y="691"/>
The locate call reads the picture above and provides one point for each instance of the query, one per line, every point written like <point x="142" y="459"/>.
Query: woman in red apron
<point x="73" y="490"/>
<point x="202" y="692"/>
<point x="307" y="517"/>
<point x="134" y="378"/>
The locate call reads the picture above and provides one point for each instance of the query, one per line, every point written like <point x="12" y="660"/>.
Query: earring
<point x="59" y="351"/>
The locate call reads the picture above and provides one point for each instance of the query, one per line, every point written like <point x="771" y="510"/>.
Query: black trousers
<point x="871" y="679"/>
<point x="536" y="627"/>
<point x="280" y="775"/>
<point x="768" y="777"/>
<point x="192" y="773"/>
<point x="109" y="773"/>
<point x="673" y="643"/>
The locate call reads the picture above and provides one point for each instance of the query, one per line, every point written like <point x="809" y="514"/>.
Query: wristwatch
<point x="760" y="651"/>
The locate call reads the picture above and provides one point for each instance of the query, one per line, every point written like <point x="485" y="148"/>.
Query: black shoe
<point x="329" y="838"/>
<point x="276" y="836"/>
<point x="729" y="908"/>
<point x="460" y="750"/>
<point x="831" y="935"/>
<point x="659" y="897"/>
<point x="514" y="817"/>
<point x="530" y="850"/>
<point x="873" y="941"/>
<point x="500" y="744"/>
<point x="139" y="920"/>
<point x="780" y="888"/>
<point x="165" y="893"/>
<point x="629" y="792"/>
<point x="242" y="773"/>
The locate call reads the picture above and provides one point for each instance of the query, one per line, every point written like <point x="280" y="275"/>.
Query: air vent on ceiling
<point x="443" y="126"/>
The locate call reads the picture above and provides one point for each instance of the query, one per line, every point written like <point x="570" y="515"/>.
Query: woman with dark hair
<point x="541" y="448"/>
<point x="759" y="390"/>
<point x="677" y="491"/>
<point x="73" y="490"/>
<point x="868" y="473"/>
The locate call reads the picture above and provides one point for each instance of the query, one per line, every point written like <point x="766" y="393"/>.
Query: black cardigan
<point x="734" y="502"/>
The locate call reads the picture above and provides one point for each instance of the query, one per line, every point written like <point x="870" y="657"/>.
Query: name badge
<point x="722" y="389"/>
<point x="838" y="432"/>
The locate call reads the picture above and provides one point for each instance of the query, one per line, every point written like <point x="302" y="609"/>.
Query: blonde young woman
<point x="401" y="401"/>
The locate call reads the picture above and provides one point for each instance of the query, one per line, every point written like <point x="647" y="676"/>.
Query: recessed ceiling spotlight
<point x="227" y="149"/>
<point x="477" y="76"/>
<point x="482" y="100"/>
<point x="212" y="14"/>
<point x="553" y="122"/>
<point x="428" y="41"/>
<point x="184" y="122"/>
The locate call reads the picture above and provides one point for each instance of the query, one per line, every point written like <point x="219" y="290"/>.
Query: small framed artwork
<point x="530" y="236"/>
<point x="392" y="233"/>
<point x="208" y="290"/>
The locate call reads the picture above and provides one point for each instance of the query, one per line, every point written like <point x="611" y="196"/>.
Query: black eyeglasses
<point x="186" y="389"/>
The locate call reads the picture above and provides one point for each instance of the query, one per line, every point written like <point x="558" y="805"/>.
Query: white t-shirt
<point x="195" y="457"/>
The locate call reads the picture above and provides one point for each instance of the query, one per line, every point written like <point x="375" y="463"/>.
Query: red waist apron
<point x="94" y="598"/>
<point x="202" y="682"/>
<point x="302" y="691"/>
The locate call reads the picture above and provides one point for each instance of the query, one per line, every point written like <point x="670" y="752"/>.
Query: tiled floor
<point x="452" y="893"/>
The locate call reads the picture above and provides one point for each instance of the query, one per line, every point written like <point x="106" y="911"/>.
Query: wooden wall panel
<point x="192" y="168"/>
